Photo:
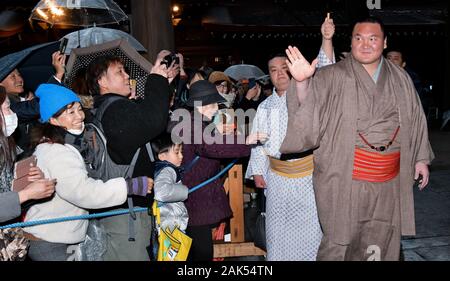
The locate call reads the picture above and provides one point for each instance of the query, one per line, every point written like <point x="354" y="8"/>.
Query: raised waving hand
<point x="299" y="67"/>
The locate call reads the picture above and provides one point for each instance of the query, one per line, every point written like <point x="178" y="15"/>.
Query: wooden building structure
<point x="219" y="33"/>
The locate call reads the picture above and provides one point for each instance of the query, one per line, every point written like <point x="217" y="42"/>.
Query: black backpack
<point x="98" y="162"/>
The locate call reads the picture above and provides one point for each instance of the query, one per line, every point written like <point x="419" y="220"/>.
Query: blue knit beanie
<point x="52" y="98"/>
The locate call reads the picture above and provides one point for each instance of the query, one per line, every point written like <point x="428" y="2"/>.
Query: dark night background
<point x="220" y="33"/>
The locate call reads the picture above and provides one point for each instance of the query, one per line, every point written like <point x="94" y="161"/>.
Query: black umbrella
<point x="137" y="66"/>
<point x="34" y="63"/>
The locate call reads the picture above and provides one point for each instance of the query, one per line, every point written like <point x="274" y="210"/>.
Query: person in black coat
<point x="398" y="58"/>
<point x="128" y="125"/>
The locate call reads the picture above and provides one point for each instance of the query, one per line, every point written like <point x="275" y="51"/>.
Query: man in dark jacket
<point x="129" y="125"/>
<point x="398" y="58"/>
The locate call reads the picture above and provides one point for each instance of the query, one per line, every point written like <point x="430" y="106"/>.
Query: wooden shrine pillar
<point x="151" y="24"/>
<point x="446" y="101"/>
<point x="236" y="195"/>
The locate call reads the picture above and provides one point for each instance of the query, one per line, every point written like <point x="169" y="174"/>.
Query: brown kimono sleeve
<point x="307" y="122"/>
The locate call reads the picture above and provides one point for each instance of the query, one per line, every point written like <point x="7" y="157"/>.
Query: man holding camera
<point x="129" y="125"/>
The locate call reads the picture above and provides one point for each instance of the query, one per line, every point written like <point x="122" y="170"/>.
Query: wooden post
<point x="234" y="186"/>
<point x="245" y="249"/>
<point x="151" y="25"/>
<point x="236" y="194"/>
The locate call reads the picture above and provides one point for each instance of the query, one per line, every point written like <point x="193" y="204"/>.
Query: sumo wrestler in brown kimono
<point x="358" y="103"/>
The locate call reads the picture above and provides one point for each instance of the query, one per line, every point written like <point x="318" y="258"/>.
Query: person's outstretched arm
<point x="327" y="29"/>
<point x="307" y="100"/>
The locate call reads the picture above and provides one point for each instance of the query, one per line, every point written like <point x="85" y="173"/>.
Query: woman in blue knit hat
<point x="75" y="192"/>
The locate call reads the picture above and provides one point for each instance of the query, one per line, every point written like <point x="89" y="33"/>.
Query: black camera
<point x="167" y="60"/>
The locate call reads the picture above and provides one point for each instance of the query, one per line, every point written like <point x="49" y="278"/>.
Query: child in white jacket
<point x="168" y="189"/>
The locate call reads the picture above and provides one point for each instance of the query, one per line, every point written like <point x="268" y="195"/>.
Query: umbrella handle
<point x="78" y="39"/>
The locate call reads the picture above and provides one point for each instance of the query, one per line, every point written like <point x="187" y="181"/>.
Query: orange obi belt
<point x="374" y="166"/>
<point x="293" y="169"/>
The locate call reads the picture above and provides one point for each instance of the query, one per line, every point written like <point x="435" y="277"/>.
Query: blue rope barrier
<point x="73" y="218"/>
<point x="111" y="213"/>
<point x="215" y="177"/>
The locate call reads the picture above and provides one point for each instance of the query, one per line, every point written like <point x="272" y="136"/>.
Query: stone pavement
<point x="432" y="205"/>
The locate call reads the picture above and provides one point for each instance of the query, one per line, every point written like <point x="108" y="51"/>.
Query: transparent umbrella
<point x="98" y="35"/>
<point x="243" y="71"/>
<point x="78" y="12"/>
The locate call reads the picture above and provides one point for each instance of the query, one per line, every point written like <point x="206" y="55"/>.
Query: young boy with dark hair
<point x="168" y="188"/>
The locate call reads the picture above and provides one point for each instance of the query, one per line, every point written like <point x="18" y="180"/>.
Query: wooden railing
<point x="234" y="186"/>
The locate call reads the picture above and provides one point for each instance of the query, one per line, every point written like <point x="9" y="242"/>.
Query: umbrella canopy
<point x="11" y="23"/>
<point x="137" y="66"/>
<point x="243" y="71"/>
<point x="78" y="13"/>
<point x="34" y="63"/>
<point x="98" y="35"/>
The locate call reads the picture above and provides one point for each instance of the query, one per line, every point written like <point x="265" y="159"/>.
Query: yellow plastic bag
<point x="173" y="246"/>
